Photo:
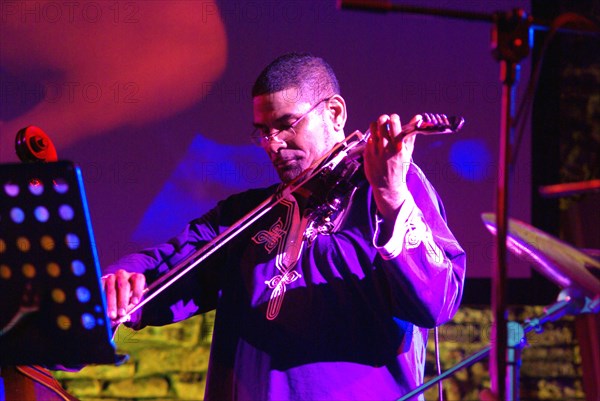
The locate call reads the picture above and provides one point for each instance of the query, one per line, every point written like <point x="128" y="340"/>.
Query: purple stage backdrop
<point x="151" y="98"/>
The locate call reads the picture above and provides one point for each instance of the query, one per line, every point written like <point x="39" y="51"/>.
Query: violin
<point x="323" y="186"/>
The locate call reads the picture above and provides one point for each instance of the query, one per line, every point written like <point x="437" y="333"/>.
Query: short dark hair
<point x="312" y="76"/>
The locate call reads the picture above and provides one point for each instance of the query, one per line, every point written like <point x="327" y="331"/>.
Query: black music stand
<point x="52" y="308"/>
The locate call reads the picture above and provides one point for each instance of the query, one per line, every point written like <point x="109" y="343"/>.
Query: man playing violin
<point x="341" y="313"/>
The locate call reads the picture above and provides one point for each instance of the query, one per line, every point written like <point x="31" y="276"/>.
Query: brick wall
<point x="166" y="363"/>
<point x="169" y="363"/>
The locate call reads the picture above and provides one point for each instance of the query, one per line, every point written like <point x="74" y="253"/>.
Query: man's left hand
<point x="387" y="158"/>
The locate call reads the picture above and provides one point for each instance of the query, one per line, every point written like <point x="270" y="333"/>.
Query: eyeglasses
<point x="262" y="136"/>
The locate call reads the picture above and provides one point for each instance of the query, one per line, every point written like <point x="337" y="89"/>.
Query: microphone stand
<point x="568" y="302"/>
<point x="510" y="45"/>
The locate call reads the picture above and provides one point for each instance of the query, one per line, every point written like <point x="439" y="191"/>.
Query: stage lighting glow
<point x="471" y="159"/>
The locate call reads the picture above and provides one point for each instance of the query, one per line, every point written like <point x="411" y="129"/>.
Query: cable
<point x="525" y="106"/>
<point x="438" y="364"/>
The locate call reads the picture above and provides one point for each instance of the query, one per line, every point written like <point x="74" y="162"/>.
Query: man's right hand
<point x="123" y="290"/>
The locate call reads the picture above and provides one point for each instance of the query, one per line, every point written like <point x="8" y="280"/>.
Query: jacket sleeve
<point x="197" y="292"/>
<point x="422" y="260"/>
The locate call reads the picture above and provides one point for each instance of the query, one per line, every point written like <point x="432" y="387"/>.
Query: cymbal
<point x="556" y="260"/>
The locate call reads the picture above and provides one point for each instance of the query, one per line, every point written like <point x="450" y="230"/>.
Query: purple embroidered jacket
<point x="341" y="318"/>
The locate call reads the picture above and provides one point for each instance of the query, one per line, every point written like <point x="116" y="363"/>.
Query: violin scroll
<point x="434" y="124"/>
<point x="33" y="145"/>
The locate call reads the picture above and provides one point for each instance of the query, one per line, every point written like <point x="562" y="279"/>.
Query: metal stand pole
<point x="510" y="45"/>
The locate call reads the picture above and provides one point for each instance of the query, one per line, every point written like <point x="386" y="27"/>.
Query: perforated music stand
<point x="52" y="308"/>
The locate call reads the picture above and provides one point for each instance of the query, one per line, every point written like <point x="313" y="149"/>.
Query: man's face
<point x="314" y="137"/>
